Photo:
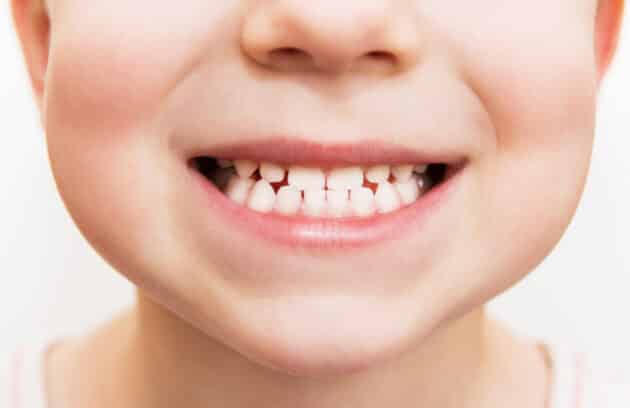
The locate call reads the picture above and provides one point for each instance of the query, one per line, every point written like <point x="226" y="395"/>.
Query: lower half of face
<point x="287" y="190"/>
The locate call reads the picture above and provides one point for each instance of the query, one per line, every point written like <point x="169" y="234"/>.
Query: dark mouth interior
<point x="206" y="165"/>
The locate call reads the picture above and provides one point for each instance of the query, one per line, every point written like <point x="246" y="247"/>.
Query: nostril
<point x="381" y="58"/>
<point x="380" y="55"/>
<point x="289" y="55"/>
<point x="288" y="51"/>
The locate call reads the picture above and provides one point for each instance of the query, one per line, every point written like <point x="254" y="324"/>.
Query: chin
<point x="325" y="336"/>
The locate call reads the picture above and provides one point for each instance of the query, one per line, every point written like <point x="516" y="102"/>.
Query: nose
<point x="332" y="36"/>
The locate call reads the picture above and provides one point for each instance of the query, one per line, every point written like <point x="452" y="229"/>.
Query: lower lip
<point x="327" y="233"/>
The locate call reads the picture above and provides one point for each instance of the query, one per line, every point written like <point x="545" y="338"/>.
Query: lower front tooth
<point x="338" y="203"/>
<point x="288" y="200"/>
<point x="238" y="188"/>
<point x="362" y="201"/>
<point x="314" y="203"/>
<point x="262" y="197"/>
<point x="386" y="198"/>
<point x="409" y="191"/>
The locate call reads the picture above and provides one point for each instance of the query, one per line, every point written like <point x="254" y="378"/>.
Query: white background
<point x="52" y="281"/>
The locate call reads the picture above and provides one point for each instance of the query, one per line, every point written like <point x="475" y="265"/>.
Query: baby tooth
<point x="386" y="198"/>
<point x="402" y="172"/>
<point x="245" y="168"/>
<point x="224" y="164"/>
<point x="314" y="202"/>
<point x="345" y="178"/>
<point x="338" y="204"/>
<point x="362" y="201"/>
<point x="288" y="200"/>
<point x="304" y="178"/>
<point x="262" y="197"/>
<point x="238" y="189"/>
<point x="377" y="174"/>
<point x="409" y="190"/>
<point x="271" y="172"/>
<point x="420" y="168"/>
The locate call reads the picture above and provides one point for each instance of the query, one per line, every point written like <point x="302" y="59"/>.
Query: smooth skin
<point x="127" y="88"/>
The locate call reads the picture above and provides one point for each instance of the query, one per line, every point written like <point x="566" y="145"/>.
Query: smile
<point x="336" y="197"/>
<point x="316" y="192"/>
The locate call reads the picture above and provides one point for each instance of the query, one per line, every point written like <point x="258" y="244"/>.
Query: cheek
<point x="100" y="100"/>
<point x="97" y="84"/>
<point x="540" y="91"/>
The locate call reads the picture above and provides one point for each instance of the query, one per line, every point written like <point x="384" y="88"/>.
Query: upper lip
<point x="291" y="151"/>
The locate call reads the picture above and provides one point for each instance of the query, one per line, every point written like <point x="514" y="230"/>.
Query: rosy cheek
<point x="94" y="86"/>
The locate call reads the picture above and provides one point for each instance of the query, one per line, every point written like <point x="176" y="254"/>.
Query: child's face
<point x="135" y="90"/>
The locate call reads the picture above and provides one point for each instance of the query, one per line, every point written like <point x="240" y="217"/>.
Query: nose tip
<point x="330" y="36"/>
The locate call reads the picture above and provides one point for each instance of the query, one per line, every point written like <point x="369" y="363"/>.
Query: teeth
<point x="245" y="168"/>
<point x="409" y="190"/>
<point x="377" y="174"/>
<point x="238" y="188"/>
<point x="362" y="201"/>
<point x="314" y="202"/>
<point x="311" y="191"/>
<point x="338" y="203"/>
<point x="386" y="198"/>
<point x="420" y="168"/>
<point x="262" y="197"/>
<point x="345" y="178"/>
<point x="403" y="172"/>
<point x="288" y="200"/>
<point x="304" y="178"/>
<point x="224" y="164"/>
<point x="271" y="172"/>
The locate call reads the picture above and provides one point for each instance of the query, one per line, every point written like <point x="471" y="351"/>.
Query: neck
<point x="165" y="362"/>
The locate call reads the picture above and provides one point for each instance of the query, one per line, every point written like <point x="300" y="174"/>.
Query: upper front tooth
<point x="245" y="168"/>
<point x="402" y="172"/>
<point x="377" y="174"/>
<point x="345" y="178"/>
<point x="262" y="196"/>
<point x="386" y="198"/>
<point x="271" y="172"/>
<point x="304" y="178"/>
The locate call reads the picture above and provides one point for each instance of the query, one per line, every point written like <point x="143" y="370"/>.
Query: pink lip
<point x="329" y="233"/>
<point x="303" y="152"/>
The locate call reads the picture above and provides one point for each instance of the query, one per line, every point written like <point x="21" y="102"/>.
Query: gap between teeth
<point x="339" y="192"/>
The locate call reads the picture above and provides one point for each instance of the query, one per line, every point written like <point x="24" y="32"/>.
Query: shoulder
<point x="581" y="378"/>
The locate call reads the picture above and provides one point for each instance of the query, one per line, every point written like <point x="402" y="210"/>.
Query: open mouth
<point x="332" y="192"/>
